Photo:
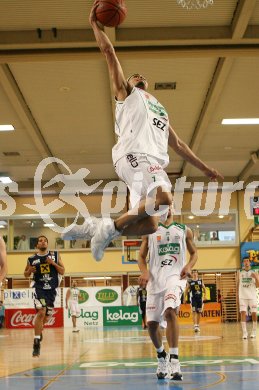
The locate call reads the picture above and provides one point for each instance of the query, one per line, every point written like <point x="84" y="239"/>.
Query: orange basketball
<point x="111" y="13"/>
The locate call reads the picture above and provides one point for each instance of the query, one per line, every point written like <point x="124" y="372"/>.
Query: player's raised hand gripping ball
<point x="111" y="13"/>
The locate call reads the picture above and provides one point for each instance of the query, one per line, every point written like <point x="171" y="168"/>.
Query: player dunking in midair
<point x="139" y="156"/>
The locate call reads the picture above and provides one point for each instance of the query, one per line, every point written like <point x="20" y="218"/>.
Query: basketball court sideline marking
<point x="146" y="339"/>
<point x="125" y="374"/>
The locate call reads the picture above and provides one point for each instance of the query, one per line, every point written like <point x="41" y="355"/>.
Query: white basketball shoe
<point x="83" y="232"/>
<point x="105" y="232"/>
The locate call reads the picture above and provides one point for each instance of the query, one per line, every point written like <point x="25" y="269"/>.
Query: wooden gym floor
<point x="123" y="359"/>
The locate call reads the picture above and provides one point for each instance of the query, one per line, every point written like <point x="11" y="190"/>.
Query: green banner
<point x="121" y="315"/>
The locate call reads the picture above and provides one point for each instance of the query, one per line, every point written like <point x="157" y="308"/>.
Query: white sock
<point x="254" y="326"/>
<point x="37" y="337"/>
<point x="174" y="351"/>
<point x="243" y="325"/>
<point x="159" y="350"/>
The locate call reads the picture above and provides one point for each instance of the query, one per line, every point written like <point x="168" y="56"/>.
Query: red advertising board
<point x="25" y="318"/>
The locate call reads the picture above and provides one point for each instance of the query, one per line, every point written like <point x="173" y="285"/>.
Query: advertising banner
<point x="121" y="315"/>
<point x="24" y="298"/>
<point x="25" y="318"/>
<point x="89" y="316"/>
<point x="250" y="250"/>
<point x="98" y="296"/>
<point x="211" y="313"/>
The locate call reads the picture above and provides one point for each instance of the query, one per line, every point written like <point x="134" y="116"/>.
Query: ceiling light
<point x="191" y="217"/>
<point x="6" y="128"/>
<point x="240" y="121"/>
<point x="2" y="226"/>
<point x="48" y="224"/>
<point x="5" y="179"/>
<point x="221" y="216"/>
<point x="196" y="4"/>
<point x="64" y="89"/>
<point x="98" y="278"/>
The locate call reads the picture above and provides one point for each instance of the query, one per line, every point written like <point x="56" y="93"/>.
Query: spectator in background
<point x="214" y="236"/>
<point x="2" y="310"/>
<point x="23" y="244"/>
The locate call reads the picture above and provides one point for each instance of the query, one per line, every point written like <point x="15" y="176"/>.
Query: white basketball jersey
<point x="167" y="255"/>
<point x="142" y="126"/>
<point x="247" y="287"/>
<point x="74" y="293"/>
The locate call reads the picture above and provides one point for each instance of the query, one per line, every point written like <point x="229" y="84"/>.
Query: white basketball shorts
<point x="142" y="175"/>
<point x="244" y="303"/>
<point x="169" y="298"/>
<point x="74" y="308"/>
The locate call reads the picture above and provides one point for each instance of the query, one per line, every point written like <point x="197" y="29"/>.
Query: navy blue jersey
<point x="46" y="275"/>
<point x="195" y="288"/>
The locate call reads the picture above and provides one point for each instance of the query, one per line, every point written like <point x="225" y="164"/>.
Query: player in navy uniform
<point x="196" y="288"/>
<point x="46" y="266"/>
<point x="142" y="301"/>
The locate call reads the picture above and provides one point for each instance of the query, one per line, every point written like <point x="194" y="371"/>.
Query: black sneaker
<point x="36" y="348"/>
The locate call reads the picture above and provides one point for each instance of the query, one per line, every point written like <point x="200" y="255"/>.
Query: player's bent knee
<point x="170" y="314"/>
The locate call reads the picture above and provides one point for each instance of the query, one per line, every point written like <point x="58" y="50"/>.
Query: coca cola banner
<point x="24" y="298"/>
<point x="25" y="318"/>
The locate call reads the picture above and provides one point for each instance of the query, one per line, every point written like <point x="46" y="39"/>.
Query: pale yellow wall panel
<point x="83" y="262"/>
<point x="218" y="259"/>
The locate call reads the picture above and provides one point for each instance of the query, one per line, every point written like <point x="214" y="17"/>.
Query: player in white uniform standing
<point x="248" y="281"/>
<point x="166" y="276"/>
<point x="139" y="157"/>
<point x="72" y="296"/>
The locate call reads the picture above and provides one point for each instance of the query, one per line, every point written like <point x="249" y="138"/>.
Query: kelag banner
<point x="89" y="316"/>
<point x="121" y="315"/>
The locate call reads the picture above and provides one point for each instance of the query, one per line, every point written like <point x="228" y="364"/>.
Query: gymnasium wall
<point x="81" y="261"/>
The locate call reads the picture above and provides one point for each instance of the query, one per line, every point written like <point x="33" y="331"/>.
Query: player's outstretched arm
<point x="120" y="84"/>
<point x="183" y="150"/>
<point x="191" y="247"/>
